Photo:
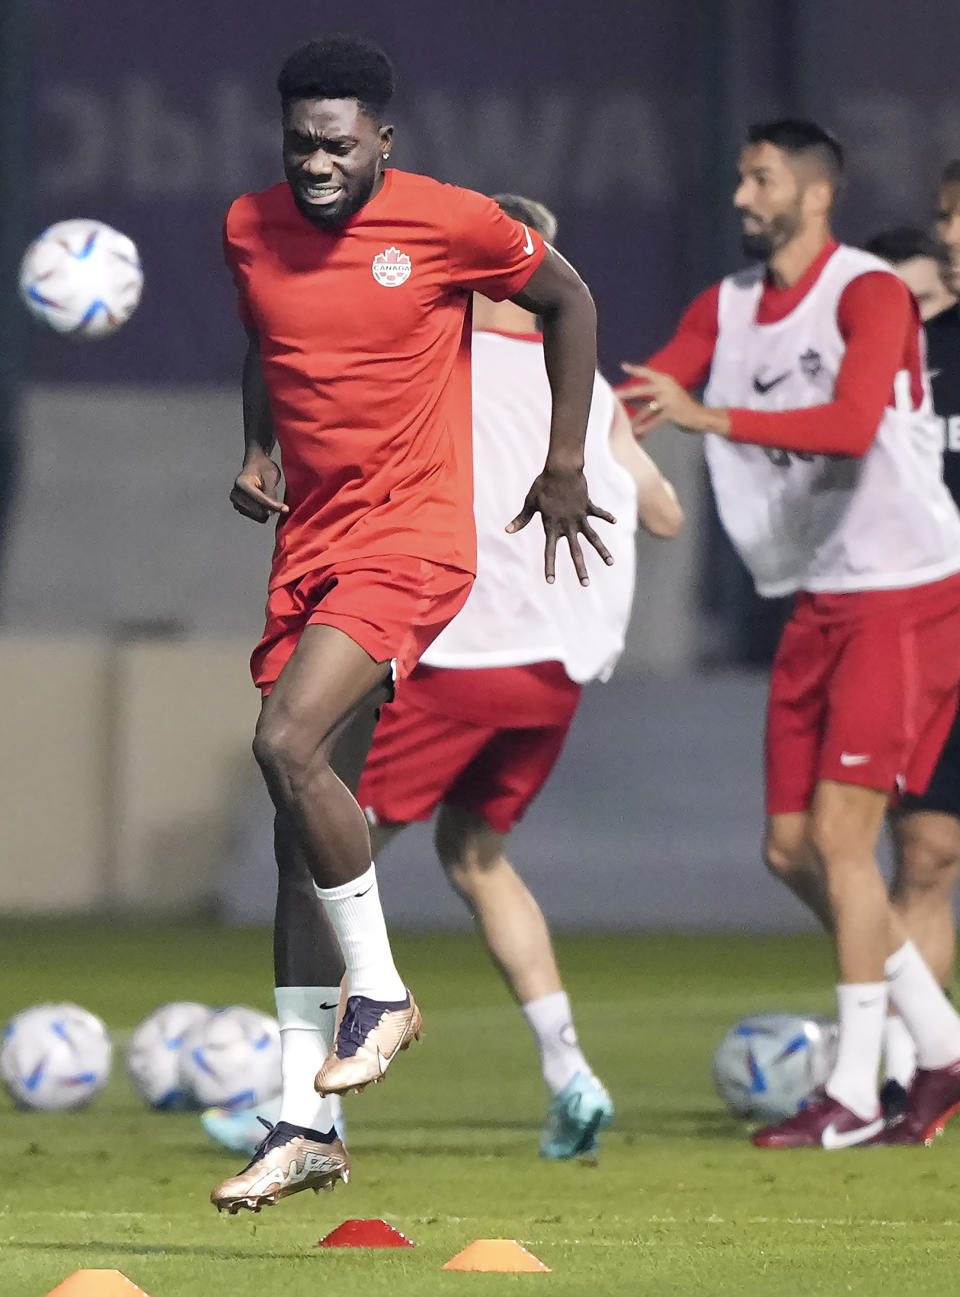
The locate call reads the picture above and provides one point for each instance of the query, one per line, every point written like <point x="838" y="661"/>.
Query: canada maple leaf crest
<point x="391" y="268"/>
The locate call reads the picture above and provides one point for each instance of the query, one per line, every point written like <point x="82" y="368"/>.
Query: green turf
<point x="680" y="1202"/>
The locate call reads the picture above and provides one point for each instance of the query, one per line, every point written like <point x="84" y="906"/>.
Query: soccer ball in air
<point x="766" y="1065"/>
<point x="55" y="1056"/>
<point x="233" y="1059"/>
<point x="81" y="278"/>
<point x="155" y="1052"/>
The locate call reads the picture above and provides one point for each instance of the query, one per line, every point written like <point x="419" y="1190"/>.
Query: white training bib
<point x="512" y="617"/>
<point x="822" y="522"/>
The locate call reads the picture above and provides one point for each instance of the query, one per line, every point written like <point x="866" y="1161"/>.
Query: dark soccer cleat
<point x="822" y="1123"/>
<point x="934" y="1096"/>
<point x="894" y="1101"/>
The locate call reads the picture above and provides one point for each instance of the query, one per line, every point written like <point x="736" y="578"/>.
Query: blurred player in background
<point x="479" y="725"/>
<point x="355" y="283"/>
<point x="947" y="221"/>
<point x="926" y="826"/>
<point x="824" y="456"/>
<point x="921" y="262"/>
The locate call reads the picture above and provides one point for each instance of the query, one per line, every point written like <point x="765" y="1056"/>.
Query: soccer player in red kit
<point x="825" y="459"/>
<point x="355" y="283"/>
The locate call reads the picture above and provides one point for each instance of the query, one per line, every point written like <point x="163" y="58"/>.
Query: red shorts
<point x="394" y="607"/>
<point x="863" y="691"/>
<point x="484" y="739"/>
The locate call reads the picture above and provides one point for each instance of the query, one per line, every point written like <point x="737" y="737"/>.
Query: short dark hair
<point x="530" y="212"/>
<point x="950" y="175"/>
<point x="904" y="243"/>
<point x="339" y="67"/>
<point x="802" y="139"/>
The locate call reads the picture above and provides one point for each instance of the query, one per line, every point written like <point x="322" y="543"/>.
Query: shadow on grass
<point x="111" y="1251"/>
<point x="703" y="1123"/>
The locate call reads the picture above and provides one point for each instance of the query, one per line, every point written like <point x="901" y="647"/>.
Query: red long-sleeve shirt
<point x="880" y="325"/>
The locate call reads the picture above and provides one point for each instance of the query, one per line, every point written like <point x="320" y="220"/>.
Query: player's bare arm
<point x="658" y="509"/>
<point x="559" y="296"/>
<point x="256" y="491"/>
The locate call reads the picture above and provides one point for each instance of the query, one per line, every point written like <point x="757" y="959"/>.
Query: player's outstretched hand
<point x="255" y="493"/>
<point x="560" y="497"/>
<point x="657" y="398"/>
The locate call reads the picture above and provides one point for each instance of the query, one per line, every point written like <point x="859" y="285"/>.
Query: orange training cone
<point x="97" y="1283"/>
<point x="502" y="1255"/>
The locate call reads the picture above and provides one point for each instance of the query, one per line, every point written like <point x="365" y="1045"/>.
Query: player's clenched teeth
<point x="321" y="193"/>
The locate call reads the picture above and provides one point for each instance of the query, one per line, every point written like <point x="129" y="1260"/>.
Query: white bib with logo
<point x="512" y="617"/>
<point x="823" y="522"/>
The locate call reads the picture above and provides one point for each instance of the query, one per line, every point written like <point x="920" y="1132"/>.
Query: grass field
<point x="679" y="1203"/>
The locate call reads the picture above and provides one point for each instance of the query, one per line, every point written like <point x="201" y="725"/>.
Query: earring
<point x="385" y="156"/>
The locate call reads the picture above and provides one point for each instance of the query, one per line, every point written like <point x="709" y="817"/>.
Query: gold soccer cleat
<point x="286" y="1162"/>
<point x="371" y="1034"/>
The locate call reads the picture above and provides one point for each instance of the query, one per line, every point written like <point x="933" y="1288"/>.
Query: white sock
<point x="899" y="1051"/>
<point x="356" y="915"/>
<point x="307" y="1029"/>
<point x="928" y="1015"/>
<point x="551" y="1022"/>
<point x="861" y="1009"/>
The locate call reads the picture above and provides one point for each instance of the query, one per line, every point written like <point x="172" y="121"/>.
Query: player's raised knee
<point x="278" y="749"/>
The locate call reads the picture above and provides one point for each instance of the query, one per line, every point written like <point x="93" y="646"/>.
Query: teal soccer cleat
<point x="577" y="1115"/>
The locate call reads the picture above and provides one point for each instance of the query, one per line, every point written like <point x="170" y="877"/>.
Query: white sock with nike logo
<point x="929" y="1016"/>
<point x="356" y="916"/>
<point x="862" y="1011"/>
<point x="308" y="1022"/>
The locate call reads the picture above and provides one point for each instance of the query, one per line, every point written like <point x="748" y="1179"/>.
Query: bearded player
<point x="355" y="283"/>
<point x="824" y="456"/>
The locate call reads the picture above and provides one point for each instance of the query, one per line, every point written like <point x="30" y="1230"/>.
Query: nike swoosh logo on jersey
<point x="854" y="758"/>
<point x="833" y="1138"/>
<point x="329" y="1006"/>
<point x="762" y="388"/>
<point x="528" y="246"/>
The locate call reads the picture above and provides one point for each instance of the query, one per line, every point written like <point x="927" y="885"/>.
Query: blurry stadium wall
<point x="131" y="592"/>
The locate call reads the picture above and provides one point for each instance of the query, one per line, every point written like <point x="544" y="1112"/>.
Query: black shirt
<point x="943" y="352"/>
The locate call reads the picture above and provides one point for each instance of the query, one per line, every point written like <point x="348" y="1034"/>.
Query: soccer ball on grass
<point x="766" y="1065"/>
<point x="155" y="1054"/>
<point x="232" y="1060"/>
<point x="55" y="1056"/>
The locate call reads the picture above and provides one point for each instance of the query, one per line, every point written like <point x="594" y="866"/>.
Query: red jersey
<point x="365" y="342"/>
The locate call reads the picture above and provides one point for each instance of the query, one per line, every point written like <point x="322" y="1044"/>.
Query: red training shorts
<point x="863" y="691"/>
<point x="394" y="607"/>
<point x="483" y="739"/>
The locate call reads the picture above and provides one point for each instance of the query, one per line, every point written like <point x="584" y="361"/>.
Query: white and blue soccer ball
<point x="766" y="1065"/>
<point x="155" y="1053"/>
<point x="55" y="1056"/>
<point x="82" y="278"/>
<point x="233" y="1059"/>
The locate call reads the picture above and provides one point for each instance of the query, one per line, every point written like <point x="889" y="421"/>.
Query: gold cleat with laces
<point x="371" y="1034"/>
